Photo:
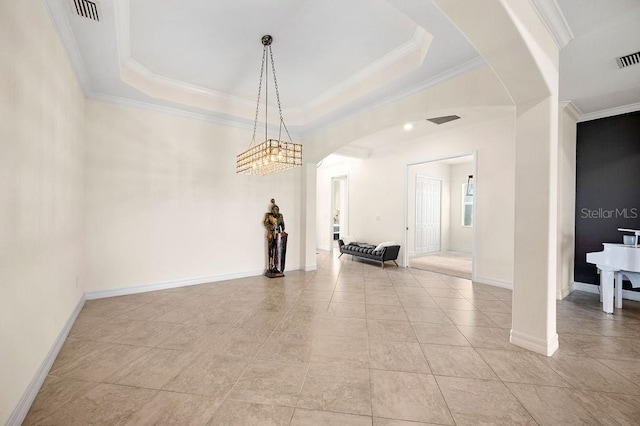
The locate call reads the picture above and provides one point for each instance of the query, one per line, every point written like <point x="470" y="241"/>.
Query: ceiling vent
<point x="86" y="9"/>
<point x="443" y="119"/>
<point x="625" y="61"/>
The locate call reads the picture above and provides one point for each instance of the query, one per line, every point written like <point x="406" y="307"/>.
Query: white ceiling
<point x="216" y="45"/>
<point x="333" y="58"/>
<point x="589" y="74"/>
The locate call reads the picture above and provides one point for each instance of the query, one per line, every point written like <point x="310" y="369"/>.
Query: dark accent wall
<point x="607" y="186"/>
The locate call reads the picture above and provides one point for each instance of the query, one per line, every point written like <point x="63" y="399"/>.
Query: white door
<point x="428" y="195"/>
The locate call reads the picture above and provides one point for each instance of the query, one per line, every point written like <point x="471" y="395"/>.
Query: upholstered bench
<point x="381" y="253"/>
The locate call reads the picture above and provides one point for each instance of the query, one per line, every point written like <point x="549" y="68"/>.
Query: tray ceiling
<point x="333" y="58"/>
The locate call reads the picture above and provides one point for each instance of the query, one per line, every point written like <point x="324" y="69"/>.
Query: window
<point x="467" y="205"/>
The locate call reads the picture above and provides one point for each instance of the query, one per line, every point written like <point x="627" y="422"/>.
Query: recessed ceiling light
<point x="408" y="126"/>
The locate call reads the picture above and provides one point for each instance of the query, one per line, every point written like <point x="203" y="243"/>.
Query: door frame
<point x="474" y="162"/>
<point x="345" y="208"/>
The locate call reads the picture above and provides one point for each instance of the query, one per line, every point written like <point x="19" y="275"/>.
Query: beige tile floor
<point x="454" y="263"/>
<point x="350" y="344"/>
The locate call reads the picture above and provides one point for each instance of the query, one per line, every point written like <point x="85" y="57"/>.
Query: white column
<point x="516" y="44"/>
<point x="536" y="224"/>
<point x="308" y="218"/>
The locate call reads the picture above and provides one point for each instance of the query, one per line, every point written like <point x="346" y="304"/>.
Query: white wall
<point x="331" y="167"/>
<point x="41" y="150"/>
<point x="375" y="190"/>
<point x="461" y="237"/>
<point x="378" y="188"/>
<point x="163" y="201"/>
<point x="434" y="170"/>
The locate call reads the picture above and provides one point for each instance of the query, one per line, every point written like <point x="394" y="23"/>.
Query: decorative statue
<point x="276" y="241"/>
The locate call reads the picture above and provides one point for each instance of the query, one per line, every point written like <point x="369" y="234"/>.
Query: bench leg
<point x="383" y="264"/>
<point x="340" y="255"/>
<point x="396" y="264"/>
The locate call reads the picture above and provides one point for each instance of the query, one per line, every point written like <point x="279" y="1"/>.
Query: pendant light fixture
<point x="272" y="155"/>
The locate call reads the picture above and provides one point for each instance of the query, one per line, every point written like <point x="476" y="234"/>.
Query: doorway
<point x="439" y="208"/>
<point x="339" y="222"/>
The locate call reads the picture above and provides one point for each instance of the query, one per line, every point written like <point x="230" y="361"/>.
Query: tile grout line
<point x="255" y="356"/>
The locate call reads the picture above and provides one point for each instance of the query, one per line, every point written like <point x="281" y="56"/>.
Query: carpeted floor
<point x="454" y="263"/>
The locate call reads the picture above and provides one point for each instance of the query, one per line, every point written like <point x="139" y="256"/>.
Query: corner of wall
<point x="22" y="408"/>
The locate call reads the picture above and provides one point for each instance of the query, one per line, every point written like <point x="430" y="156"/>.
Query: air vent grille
<point x="625" y="61"/>
<point x="87" y="9"/>
<point x="443" y="119"/>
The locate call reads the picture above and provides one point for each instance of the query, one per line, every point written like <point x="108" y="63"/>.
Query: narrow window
<point x="467" y="205"/>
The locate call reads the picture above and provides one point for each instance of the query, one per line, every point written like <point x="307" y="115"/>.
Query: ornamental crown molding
<point x="554" y="20"/>
<point x="405" y="58"/>
<point x="624" y="109"/>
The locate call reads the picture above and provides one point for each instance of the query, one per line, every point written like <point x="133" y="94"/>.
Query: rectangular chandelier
<point x="271" y="156"/>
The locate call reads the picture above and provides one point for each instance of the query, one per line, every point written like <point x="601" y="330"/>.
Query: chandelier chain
<point x="275" y="83"/>
<point x="255" y="121"/>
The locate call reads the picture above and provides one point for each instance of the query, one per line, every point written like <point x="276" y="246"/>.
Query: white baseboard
<point x="92" y="295"/>
<point x="22" y="408"/>
<point x="562" y="292"/>
<point x="535" y="344"/>
<point x="595" y="288"/>
<point x="495" y="283"/>
<point x="589" y="288"/>
<point x="168" y="284"/>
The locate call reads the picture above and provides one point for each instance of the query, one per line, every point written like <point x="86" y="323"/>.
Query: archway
<point x="516" y="44"/>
